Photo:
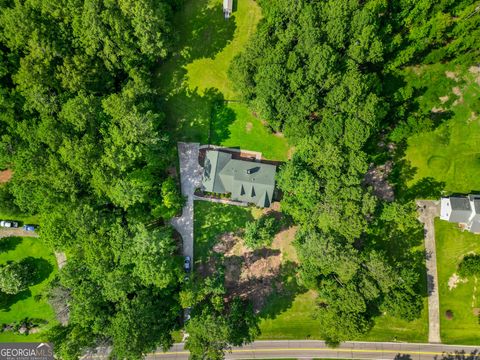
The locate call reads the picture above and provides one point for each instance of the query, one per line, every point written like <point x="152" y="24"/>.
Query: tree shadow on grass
<point x="39" y="269"/>
<point x="403" y="172"/>
<point x="283" y="296"/>
<point x="196" y="117"/>
<point x="207" y="32"/>
<point x="7" y="300"/>
<point x="9" y="243"/>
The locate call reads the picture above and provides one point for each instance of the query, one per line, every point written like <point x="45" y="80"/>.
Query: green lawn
<point x="194" y="80"/>
<point x="296" y="321"/>
<point x="17" y="307"/>
<point x="452" y="245"/>
<point x="450" y="153"/>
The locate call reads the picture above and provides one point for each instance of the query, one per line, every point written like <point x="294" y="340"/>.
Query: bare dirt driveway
<point x="428" y="210"/>
<point x="190" y="178"/>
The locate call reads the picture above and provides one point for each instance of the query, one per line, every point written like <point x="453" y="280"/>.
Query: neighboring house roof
<point x="475" y="227"/>
<point x="247" y="181"/>
<point x="461" y="210"/>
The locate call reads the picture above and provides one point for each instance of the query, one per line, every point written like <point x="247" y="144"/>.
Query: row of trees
<point x="81" y="129"/>
<point x="322" y="72"/>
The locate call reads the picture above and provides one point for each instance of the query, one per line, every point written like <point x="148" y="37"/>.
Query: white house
<point x="463" y="210"/>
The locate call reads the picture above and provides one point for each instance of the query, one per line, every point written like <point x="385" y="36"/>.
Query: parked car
<point x="8" y="224"/>
<point x="187" y="264"/>
<point x="29" y="228"/>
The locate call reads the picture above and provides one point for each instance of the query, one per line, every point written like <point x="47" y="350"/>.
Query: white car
<point x="8" y="224"/>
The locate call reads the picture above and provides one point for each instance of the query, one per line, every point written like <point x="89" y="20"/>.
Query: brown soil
<point x="253" y="275"/>
<point x="290" y="152"/>
<point x="476" y="311"/>
<point x="444" y="99"/>
<point x="449" y="314"/>
<point x="377" y="177"/>
<point x="5" y="176"/>
<point x="283" y="242"/>
<point x="452" y="75"/>
<point x="457" y="91"/>
<point x="475" y="70"/>
<point x="437" y="110"/>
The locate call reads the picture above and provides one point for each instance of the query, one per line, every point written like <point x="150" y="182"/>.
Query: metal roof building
<point x="247" y="181"/>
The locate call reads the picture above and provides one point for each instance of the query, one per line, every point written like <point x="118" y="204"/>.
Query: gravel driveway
<point x="428" y="210"/>
<point x="191" y="178"/>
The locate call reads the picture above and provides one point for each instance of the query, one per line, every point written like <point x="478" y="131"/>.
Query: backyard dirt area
<point x="5" y="176"/>
<point x="249" y="274"/>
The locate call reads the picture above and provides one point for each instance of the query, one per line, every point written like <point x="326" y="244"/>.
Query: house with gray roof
<point x="463" y="210"/>
<point x="246" y="181"/>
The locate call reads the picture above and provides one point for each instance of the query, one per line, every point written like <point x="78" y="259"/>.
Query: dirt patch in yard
<point x="249" y="127"/>
<point x="252" y="275"/>
<point x="444" y="99"/>
<point x="476" y="71"/>
<point x="5" y="176"/>
<point x="283" y="242"/>
<point x="452" y="75"/>
<point x="457" y="91"/>
<point x="454" y="281"/>
<point x="255" y="275"/>
<point x="377" y="177"/>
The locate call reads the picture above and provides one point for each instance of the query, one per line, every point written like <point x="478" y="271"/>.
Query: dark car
<point x="29" y="227"/>
<point x="187" y="264"/>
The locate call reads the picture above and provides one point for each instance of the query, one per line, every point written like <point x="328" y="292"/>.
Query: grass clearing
<point x="451" y="152"/>
<point x="452" y="245"/>
<point x="201" y="104"/>
<point x="14" y="308"/>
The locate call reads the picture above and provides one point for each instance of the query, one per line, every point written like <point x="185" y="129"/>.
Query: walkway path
<point x="190" y="178"/>
<point x="311" y="349"/>
<point x="428" y="210"/>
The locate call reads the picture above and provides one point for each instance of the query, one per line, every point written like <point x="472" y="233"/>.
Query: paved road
<point x="428" y="210"/>
<point x="310" y="349"/>
<point x="190" y="178"/>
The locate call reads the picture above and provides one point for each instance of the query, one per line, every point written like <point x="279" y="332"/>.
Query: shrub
<point x="469" y="266"/>
<point x="260" y="232"/>
<point x="13" y="278"/>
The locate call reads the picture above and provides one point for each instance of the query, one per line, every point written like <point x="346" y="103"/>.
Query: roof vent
<point x="249" y="171"/>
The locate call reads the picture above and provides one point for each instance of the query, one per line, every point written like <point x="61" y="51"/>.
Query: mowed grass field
<point x="464" y="298"/>
<point x="201" y="104"/>
<point x="30" y="303"/>
<point x="291" y="316"/>
<point x="451" y="152"/>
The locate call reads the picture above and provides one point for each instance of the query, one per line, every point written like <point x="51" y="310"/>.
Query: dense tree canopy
<point x="322" y="72"/>
<point x="81" y="130"/>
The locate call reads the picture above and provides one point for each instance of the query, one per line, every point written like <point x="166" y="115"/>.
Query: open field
<point x="451" y="152"/>
<point x="464" y="297"/>
<point x="31" y="302"/>
<point x="201" y="104"/>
